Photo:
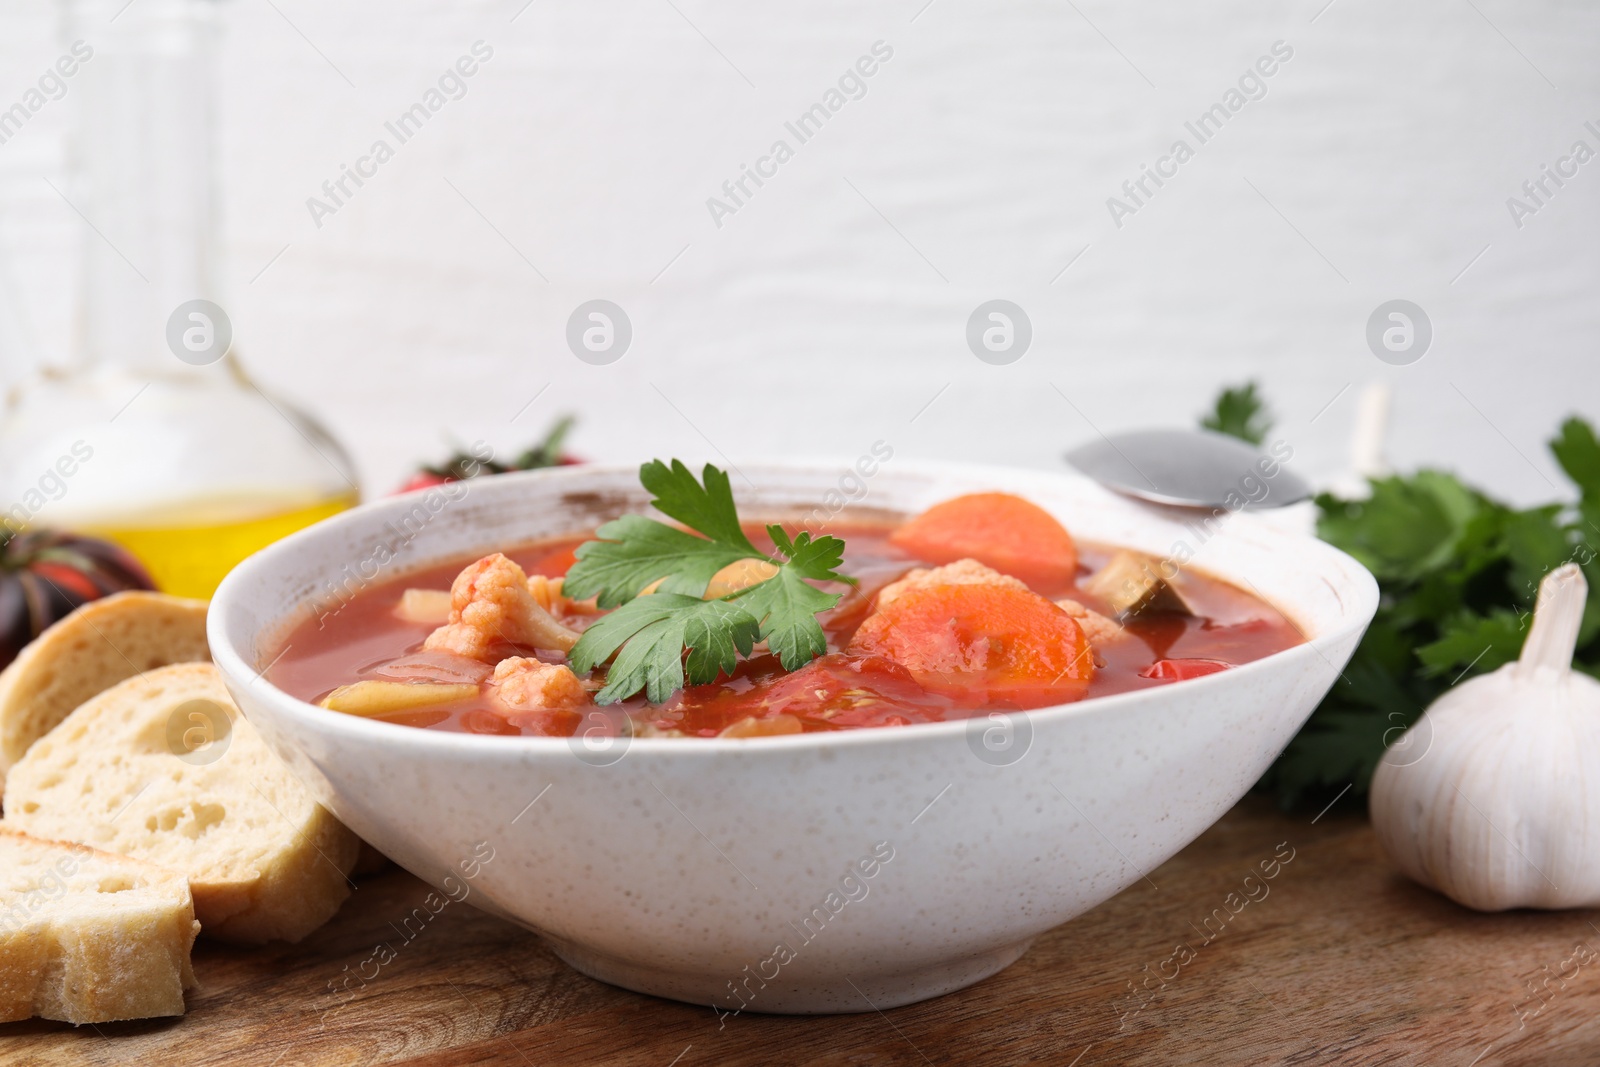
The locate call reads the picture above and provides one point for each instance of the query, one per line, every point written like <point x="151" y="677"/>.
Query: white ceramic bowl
<point x="815" y="873"/>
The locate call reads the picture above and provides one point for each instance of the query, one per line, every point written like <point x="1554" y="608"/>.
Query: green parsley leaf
<point x="1535" y="544"/>
<point x="1373" y="701"/>
<point x="547" y="453"/>
<point x="787" y="606"/>
<point x="648" y="635"/>
<point x="817" y="558"/>
<point x="1578" y="451"/>
<point x="708" y="508"/>
<point x="634" y="551"/>
<point x="1589" y="522"/>
<point x="1407" y="527"/>
<point x="1483" y="642"/>
<point x="1333" y="750"/>
<point x="1240" y="413"/>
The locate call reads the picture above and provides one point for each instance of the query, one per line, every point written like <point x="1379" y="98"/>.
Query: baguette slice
<point x="89" y="651"/>
<point x="87" y="937"/>
<point x="264" y="860"/>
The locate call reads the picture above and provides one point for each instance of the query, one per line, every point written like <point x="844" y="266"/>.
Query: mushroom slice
<point x="1131" y="584"/>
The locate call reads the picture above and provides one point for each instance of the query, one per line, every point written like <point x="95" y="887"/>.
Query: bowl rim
<point x="235" y="668"/>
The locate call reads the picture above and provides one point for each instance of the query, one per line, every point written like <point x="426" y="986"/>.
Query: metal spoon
<point x="1189" y="468"/>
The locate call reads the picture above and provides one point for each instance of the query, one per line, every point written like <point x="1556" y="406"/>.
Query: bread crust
<point x="95" y="938"/>
<point x="93" y="648"/>
<point x="264" y="861"/>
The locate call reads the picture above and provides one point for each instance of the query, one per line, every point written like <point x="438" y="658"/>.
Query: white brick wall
<point x="807" y="324"/>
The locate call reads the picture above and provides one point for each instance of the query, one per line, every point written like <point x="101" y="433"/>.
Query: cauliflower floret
<point x="961" y="572"/>
<point x="523" y="684"/>
<point x="1095" y="626"/>
<point x="490" y="604"/>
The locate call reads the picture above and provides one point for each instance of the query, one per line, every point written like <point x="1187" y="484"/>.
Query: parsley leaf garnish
<point x="649" y="634"/>
<point x="634" y="551"/>
<point x="787" y="606"/>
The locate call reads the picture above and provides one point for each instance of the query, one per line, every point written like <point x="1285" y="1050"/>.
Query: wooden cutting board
<point x="1336" y="960"/>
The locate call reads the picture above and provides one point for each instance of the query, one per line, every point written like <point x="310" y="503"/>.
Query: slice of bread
<point x="87" y="937"/>
<point x="88" y="651"/>
<point x="162" y="767"/>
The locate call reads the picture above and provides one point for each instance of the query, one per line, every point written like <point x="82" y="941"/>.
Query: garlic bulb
<point x="1493" y="796"/>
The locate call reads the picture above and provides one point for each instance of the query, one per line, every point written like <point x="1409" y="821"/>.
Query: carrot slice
<point x="1010" y="534"/>
<point x="992" y="644"/>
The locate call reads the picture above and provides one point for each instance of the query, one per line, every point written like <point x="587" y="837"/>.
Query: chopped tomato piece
<point x="1178" y="670"/>
<point x="1006" y="532"/>
<point x="831" y="691"/>
<point x="992" y="644"/>
<point x="71" y="579"/>
<point x="849" y="690"/>
<point x="483" y="721"/>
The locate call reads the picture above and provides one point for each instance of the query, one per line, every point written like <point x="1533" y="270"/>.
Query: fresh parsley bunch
<point x="1458" y="573"/>
<point x="650" y="634"/>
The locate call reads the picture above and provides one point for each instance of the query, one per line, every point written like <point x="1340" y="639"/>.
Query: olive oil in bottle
<point x="153" y="435"/>
<point x="188" y="555"/>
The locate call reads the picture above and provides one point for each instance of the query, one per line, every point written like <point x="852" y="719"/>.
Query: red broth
<point x="1230" y="626"/>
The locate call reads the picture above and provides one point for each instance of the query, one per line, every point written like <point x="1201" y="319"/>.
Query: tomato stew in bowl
<point x="983" y="603"/>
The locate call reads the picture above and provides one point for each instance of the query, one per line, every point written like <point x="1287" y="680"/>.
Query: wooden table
<point x="1341" y="961"/>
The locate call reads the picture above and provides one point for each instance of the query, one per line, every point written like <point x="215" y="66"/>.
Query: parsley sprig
<point x="1458" y="573"/>
<point x="649" y="635"/>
